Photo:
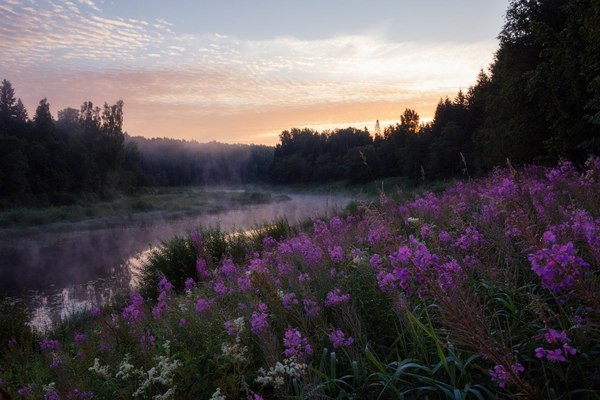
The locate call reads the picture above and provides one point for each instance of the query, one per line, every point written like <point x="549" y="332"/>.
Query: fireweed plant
<point x="487" y="290"/>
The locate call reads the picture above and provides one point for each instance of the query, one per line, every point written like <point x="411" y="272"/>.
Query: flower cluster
<point x="558" y="266"/>
<point x="561" y="343"/>
<point x="338" y="339"/>
<point x="296" y="345"/>
<point x="501" y="376"/>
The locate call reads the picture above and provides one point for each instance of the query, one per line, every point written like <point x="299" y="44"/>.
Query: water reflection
<point x="63" y="273"/>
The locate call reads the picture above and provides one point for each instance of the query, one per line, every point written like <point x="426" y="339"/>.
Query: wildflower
<point x="24" y="391"/>
<point x="79" y="338"/>
<point x="12" y="342"/>
<point x="96" y="312"/>
<point x="296" y="345"/>
<point x="147" y="341"/>
<point x="235" y="351"/>
<point x="125" y="368"/>
<point x="311" y="307"/>
<point x="425" y="231"/>
<point x="235" y="327"/>
<point x="182" y="322"/>
<point x="555" y="355"/>
<point x="101" y="370"/>
<point x="558" y="266"/>
<point x="289" y="300"/>
<point x="220" y="288"/>
<point x="338" y="339"/>
<point x="202" y="305"/>
<point x="259" y="319"/>
<point x="227" y="269"/>
<point x="375" y="262"/>
<point x="555" y="338"/>
<point x="244" y="284"/>
<point x="304" y="278"/>
<point x="217" y="395"/>
<point x="444" y="237"/>
<point x="202" y="268"/>
<point x="134" y="312"/>
<point x="336" y="254"/>
<point x="49" y="345"/>
<point x="501" y="376"/>
<point x="51" y="395"/>
<point x="164" y="285"/>
<point x="189" y="284"/>
<point x="401" y="256"/>
<point x="335" y="298"/>
<point x="57" y="361"/>
<point x="197" y="239"/>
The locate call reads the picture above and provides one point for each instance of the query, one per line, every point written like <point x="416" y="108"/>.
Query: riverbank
<point x="149" y="203"/>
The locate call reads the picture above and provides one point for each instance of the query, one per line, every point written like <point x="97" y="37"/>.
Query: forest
<point x="539" y="101"/>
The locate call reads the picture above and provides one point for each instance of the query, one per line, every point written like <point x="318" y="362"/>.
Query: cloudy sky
<point x="243" y="71"/>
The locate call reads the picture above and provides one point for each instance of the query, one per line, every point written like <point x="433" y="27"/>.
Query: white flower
<point x="217" y="395"/>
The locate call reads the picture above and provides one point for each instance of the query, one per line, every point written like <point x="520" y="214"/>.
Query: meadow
<point x="486" y="290"/>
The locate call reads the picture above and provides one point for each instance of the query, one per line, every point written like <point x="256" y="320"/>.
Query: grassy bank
<point x="487" y="290"/>
<point x="168" y="201"/>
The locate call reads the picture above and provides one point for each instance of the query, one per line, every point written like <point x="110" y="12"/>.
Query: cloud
<point x="69" y="51"/>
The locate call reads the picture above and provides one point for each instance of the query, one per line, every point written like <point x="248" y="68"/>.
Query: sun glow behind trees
<point x="228" y="85"/>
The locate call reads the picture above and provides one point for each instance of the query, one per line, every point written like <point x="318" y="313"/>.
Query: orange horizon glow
<point x="210" y="86"/>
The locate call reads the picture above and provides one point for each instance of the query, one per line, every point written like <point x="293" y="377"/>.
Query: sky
<point x="241" y="71"/>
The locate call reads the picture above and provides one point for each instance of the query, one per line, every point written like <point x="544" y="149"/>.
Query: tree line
<point x="84" y="154"/>
<point x="539" y="101"/>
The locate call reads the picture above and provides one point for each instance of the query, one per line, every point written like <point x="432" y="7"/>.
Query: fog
<point x="60" y="272"/>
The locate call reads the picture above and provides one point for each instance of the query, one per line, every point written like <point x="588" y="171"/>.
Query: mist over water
<point x="62" y="272"/>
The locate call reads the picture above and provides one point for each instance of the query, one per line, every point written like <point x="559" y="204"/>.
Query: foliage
<point x="486" y="290"/>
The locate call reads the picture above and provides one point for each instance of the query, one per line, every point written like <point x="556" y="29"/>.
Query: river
<point x="61" y="272"/>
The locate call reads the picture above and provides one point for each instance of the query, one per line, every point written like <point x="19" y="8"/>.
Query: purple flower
<point x="51" y="395"/>
<point x="336" y="298"/>
<point x="220" y="288"/>
<point x="48" y="345"/>
<point x="202" y="305"/>
<point x="258" y="321"/>
<point x="555" y="355"/>
<point x="558" y="266"/>
<point x="338" y="339"/>
<point x="289" y="300"/>
<point x="24" y="391"/>
<point x="228" y="269"/>
<point x="234" y="327"/>
<point x="164" y="285"/>
<point x="202" y="268"/>
<point x="79" y="338"/>
<point x="500" y="376"/>
<point x="375" y="261"/>
<point x="311" y="307"/>
<point x="189" y="283"/>
<point x="304" y="278"/>
<point x="540" y="352"/>
<point x="147" y="341"/>
<point x="444" y="237"/>
<point x="182" y="322"/>
<point x="295" y="345"/>
<point x="554" y="336"/>
<point x="57" y="361"/>
<point x="336" y="254"/>
<point x="401" y="256"/>
<point x="96" y="312"/>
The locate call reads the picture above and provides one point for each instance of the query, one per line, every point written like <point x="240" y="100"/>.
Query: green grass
<point x="173" y="201"/>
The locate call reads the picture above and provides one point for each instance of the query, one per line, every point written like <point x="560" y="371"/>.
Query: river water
<point x="62" y="272"/>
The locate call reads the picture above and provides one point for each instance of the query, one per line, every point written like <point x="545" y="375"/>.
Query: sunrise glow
<point x="215" y="83"/>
